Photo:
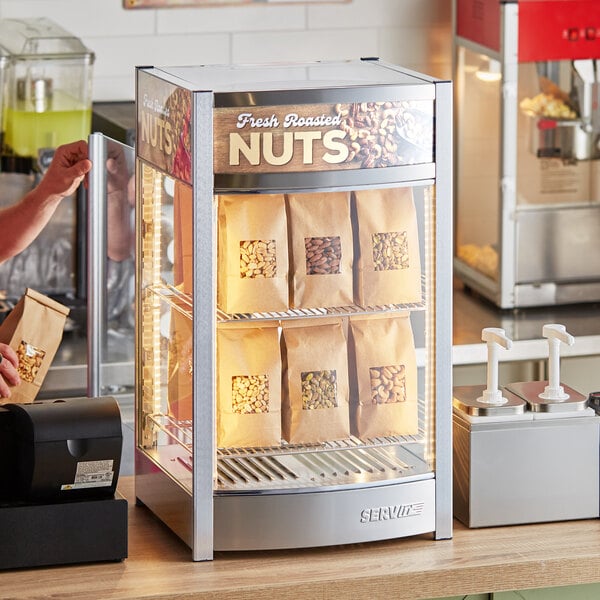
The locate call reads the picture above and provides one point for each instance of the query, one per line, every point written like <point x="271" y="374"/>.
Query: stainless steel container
<point x="525" y="461"/>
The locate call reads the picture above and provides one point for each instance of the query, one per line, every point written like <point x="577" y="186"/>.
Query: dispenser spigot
<point x="556" y="334"/>
<point x="494" y="337"/>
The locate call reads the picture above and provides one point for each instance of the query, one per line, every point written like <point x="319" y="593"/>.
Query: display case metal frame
<point x="207" y="519"/>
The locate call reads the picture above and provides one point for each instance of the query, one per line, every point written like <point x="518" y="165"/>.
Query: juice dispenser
<point x="293" y="288"/>
<point x="49" y="86"/>
<point x="527" y="199"/>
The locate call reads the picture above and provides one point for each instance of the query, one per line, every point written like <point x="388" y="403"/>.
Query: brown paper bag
<point x="321" y="248"/>
<point x="180" y="365"/>
<point x="183" y="275"/>
<point x="249" y="385"/>
<point x="315" y="406"/>
<point x="388" y="266"/>
<point x="383" y="376"/>
<point x="34" y="330"/>
<point x="252" y="254"/>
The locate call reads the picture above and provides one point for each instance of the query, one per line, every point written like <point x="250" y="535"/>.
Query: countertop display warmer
<point x="527" y="200"/>
<point x="293" y="278"/>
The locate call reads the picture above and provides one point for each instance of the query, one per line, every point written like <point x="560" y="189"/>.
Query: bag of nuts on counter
<point x="383" y="376"/>
<point x="315" y="382"/>
<point x="322" y="249"/>
<point x="253" y="254"/>
<point x="34" y="330"/>
<point x="249" y="385"/>
<point x="388" y="266"/>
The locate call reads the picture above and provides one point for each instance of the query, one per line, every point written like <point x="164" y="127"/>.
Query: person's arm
<point x="22" y="222"/>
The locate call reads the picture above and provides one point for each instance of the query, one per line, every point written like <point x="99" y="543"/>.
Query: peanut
<point x="30" y="361"/>
<point x="258" y="258"/>
<point x="250" y="394"/>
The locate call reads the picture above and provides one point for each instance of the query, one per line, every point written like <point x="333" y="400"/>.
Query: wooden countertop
<point x="159" y="566"/>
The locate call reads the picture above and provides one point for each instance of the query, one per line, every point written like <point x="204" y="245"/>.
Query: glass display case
<point x="527" y="203"/>
<point x="293" y="289"/>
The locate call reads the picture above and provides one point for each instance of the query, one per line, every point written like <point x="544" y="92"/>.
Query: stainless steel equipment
<point x="512" y="468"/>
<point x="226" y="156"/>
<point x="527" y="203"/>
<point x="526" y="452"/>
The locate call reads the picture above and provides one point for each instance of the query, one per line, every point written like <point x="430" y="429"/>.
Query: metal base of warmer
<point x="293" y="519"/>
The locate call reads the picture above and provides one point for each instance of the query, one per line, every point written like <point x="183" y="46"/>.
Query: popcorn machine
<point x="293" y="369"/>
<point x="527" y="195"/>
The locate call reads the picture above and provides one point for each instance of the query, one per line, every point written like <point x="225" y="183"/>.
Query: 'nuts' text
<point x="261" y="146"/>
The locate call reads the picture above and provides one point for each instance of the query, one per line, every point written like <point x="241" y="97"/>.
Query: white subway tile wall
<point x="413" y="33"/>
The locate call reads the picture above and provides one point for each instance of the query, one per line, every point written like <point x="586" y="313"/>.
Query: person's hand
<point x="8" y="370"/>
<point x="67" y="170"/>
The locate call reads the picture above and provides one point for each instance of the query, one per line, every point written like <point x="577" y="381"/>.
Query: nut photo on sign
<point x="388" y="134"/>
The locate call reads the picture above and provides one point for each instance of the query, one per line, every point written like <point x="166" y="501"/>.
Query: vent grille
<point x="294" y="466"/>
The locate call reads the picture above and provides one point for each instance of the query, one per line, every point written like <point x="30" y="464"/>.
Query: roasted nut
<point x="258" y="258"/>
<point x="319" y="389"/>
<point x="390" y="251"/>
<point x="30" y="361"/>
<point x="250" y="394"/>
<point x="323" y="255"/>
<point x="378" y="128"/>
<point x="388" y="384"/>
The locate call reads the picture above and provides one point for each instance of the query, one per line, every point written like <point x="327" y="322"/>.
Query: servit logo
<point x="388" y="513"/>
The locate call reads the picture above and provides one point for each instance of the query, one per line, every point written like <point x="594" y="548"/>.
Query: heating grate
<point x="307" y="469"/>
<point x="293" y="466"/>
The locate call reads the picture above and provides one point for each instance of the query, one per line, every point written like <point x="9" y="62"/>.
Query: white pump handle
<point x="554" y="330"/>
<point x="556" y="334"/>
<point x="495" y="337"/>
<point x="495" y="334"/>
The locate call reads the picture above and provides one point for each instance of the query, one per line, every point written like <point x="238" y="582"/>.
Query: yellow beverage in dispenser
<point x="48" y="88"/>
<point x="28" y="131"/>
